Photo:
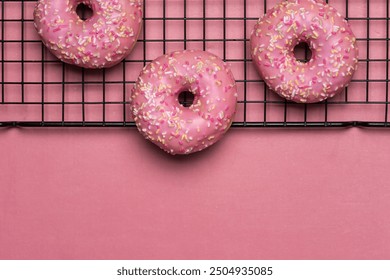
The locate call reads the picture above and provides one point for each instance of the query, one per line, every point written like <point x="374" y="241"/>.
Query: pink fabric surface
<point x="258" y="194"/>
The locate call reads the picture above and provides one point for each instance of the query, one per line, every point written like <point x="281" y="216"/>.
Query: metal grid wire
<point x="38" y="90"/>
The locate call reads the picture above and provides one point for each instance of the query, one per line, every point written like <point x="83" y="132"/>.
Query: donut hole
<point x="302" y="52"/>
<point x="186" y="99"/>
<point x="84" y="11"/>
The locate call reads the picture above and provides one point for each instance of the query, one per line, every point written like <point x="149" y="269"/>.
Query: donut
<point x="101" y="41"/>
<point x="173" y="127"/>
<point x="329" y="37"/>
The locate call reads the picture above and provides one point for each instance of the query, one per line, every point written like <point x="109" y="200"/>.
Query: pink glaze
<point x="101" y="41"/>
<point x="333" y="45"/>
<point x="164" y="121"/>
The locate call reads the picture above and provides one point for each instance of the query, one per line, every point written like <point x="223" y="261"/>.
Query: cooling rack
<point x="39" y="91"/>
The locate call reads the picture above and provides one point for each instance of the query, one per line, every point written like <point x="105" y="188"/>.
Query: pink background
<point x="258" y="194"/>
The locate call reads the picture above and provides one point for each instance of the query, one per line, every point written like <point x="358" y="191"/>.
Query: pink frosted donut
<point x="330" y="38"/>
<point x="101" y="41"/>
<point x="164" y="121"/>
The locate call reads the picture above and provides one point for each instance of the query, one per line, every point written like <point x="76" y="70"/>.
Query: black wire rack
<point x="39" y="91"/>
